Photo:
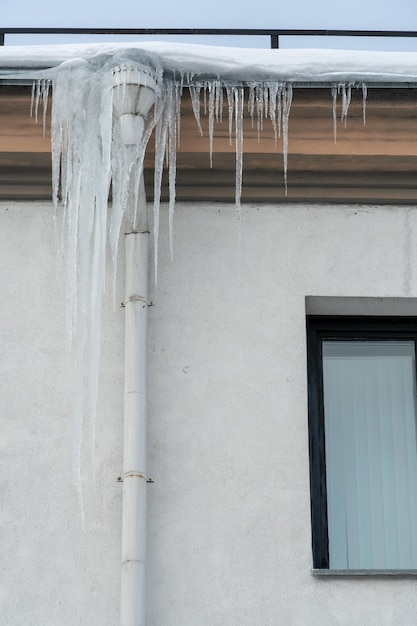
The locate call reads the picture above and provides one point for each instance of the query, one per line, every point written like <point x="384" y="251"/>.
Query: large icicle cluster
<point x="90" y="158"/>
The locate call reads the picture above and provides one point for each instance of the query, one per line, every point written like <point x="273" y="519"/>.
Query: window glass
<point x="370" y="453"/>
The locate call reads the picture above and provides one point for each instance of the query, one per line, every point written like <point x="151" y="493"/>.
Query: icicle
<point x="57" y="152"/>
<point x="123" y="161"/>
<point x="160" y="148"/>
<point x="98" y="264"/>
<point x="259" y="92"/>
<point x="334" y="98"/>
<point x="364" y="96"/>
<point x="211" y="105"/>
<point x="238" y="94"/>
<point x="346" y="97"/>
<point x="178" y="96"/>
<point x="205" y="98"/>
<point x="79" y="198"/>
<point x="221" y="104"/>
<point x="273" y="92"/>
<point x="195" y="91"/>
<point x="251" y="102"/>
<point x="172" y="167"/>
<point x="219" y="100"/>
<point x="37" y="98"/>
<point x="32" y="98"/>
<point x="45" y="96"/>
<point x="230" y="103"/>
<point x="279" y="117"/>
<point x="266" y="99"/>
<point x="286" y="108"/>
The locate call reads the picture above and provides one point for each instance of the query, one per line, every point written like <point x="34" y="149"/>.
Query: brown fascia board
<point x="373" y="163"/>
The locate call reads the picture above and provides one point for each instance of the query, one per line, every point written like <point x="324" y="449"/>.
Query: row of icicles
<point x="88" y="157"/>
<point x="265" y="99"/>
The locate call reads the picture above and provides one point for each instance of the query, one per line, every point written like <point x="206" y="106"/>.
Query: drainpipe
<point x="135" y="416"/>
<point x="133" y="97"/>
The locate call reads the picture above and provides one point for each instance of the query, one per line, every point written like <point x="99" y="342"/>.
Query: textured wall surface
<point x="229" y="519"/>
<point x="52" y="572"/>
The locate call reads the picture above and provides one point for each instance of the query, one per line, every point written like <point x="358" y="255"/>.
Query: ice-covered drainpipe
<point x="133" y="97"/>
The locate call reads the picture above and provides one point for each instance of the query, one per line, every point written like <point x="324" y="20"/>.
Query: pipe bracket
<point x="138" y="299"/>
<point x="148" y="479"/>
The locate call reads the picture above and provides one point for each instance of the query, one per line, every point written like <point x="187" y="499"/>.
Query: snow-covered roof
<point x="226" y="63"/>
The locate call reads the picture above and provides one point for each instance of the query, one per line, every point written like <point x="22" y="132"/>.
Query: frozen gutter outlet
<point x="134" y="95"/>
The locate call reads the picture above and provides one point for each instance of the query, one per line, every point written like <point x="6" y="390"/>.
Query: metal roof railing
<point x="273" y="34"/>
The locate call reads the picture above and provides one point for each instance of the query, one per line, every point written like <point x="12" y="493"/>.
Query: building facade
<point x="229" y="538"/>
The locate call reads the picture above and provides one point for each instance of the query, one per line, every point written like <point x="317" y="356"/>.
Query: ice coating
<point x="89" y="155"/>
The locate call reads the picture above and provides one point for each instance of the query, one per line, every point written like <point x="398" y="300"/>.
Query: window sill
<point x="395" y="573"/>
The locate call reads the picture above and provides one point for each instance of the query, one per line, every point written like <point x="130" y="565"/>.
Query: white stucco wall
<point x="229" y="518"/>
<point x="52" y="573"/>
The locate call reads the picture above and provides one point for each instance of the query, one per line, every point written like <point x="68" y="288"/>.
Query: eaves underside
<point x="371" y="163"/>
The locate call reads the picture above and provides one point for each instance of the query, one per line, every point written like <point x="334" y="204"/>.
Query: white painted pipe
<point x="134" y="94"/>
<point x="135" y="417"/>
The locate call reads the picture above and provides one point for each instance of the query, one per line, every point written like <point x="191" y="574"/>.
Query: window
<point x="363" y="443"/>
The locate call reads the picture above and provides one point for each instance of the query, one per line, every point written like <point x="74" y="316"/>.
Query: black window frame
<point x="319" y="329"/>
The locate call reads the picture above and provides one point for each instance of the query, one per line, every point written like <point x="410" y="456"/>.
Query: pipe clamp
<point x="137" y="474"/>
<point x="138" y="299"/>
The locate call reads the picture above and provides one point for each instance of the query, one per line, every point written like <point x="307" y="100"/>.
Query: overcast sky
<point x="356" y="14"/>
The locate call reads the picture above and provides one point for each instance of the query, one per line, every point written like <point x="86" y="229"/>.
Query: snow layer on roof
<point x="244" y="64"/>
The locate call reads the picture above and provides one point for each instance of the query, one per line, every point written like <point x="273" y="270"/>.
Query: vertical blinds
<point x="371" y="453"/>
